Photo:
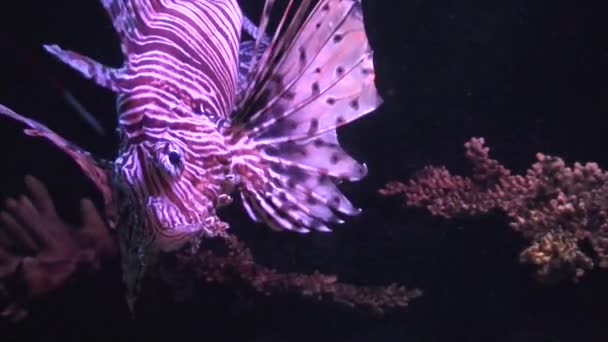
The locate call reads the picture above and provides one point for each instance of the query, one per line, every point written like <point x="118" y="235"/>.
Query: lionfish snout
<point x="173" y="224"/>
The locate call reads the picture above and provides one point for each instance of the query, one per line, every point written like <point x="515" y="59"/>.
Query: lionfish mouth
<point x="173" y="226"/>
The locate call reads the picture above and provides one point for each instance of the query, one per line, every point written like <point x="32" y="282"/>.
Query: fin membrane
<point x="316" y="75"/>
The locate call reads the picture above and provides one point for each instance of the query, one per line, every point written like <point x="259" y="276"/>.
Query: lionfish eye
<point x="175" y="158"/>
<point x="170" y="158"/>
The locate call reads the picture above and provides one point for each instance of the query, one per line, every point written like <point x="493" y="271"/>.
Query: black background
<point x="530" y="76"/>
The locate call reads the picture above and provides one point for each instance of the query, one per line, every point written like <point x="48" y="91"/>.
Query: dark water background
<point x="530" y="76"/>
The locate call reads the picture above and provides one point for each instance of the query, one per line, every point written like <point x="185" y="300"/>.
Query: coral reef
<point x="40" y="252"/>
<point x="561" y="210"/>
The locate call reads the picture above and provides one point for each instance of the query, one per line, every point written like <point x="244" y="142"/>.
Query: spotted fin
<point x="316" y="75"/>
<point x="95" y="169"/>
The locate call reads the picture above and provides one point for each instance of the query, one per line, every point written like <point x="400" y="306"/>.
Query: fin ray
<point x="316" y="75"/>
<point x="104" y="76"/>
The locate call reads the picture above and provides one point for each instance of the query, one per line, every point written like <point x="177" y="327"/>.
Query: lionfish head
<point x="176" y="191"/>
<point x="168" y="187"/>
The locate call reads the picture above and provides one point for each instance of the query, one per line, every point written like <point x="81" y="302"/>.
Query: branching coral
<point x="559" y="209"/>
<point x="239" y="264"/>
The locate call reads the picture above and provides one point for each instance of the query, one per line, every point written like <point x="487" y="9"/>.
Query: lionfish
<point x="203" y="113"/>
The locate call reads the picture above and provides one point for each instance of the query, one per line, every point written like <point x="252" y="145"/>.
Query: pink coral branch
<point x="239" y="264"/>
<point x="554" y="206"/>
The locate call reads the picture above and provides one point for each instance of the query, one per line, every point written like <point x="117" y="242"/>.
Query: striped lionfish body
<point x="202" y="113"/>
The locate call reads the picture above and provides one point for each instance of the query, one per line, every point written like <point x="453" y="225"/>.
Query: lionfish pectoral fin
<point x="93" y="168"/>
<point x="316" y="76"/>
<point x="104" y="76"/>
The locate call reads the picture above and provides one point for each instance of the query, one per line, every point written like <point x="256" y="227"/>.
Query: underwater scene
<point x="304" y="170"/>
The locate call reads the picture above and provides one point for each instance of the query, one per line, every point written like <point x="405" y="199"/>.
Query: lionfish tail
<point x="316" y="75"/>
<point x="95" y="169"/>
